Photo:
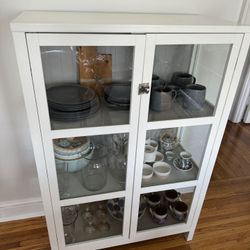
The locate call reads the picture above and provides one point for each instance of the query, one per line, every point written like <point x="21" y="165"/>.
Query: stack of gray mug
<point x="182" y="84"/>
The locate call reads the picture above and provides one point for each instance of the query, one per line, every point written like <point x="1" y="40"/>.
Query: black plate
<point x="115" y="105"/>
<point x="73" y="108"/>
<point x="73" y="116"/>
<point x="118" y="93"/>
<point x="68" y="95"/>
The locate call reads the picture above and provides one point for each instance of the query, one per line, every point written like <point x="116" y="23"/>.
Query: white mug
<point x="149" y="153"/>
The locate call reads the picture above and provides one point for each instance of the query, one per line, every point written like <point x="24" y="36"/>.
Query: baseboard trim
<point x="21" y="209"/>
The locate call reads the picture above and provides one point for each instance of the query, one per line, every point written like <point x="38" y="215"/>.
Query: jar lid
<point x="72" y="145"/>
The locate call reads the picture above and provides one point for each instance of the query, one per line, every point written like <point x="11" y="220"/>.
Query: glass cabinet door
<point x="91" y="165"/>
<point x="189" y="77"/>
<point x="186" y="80"/>
<point x="88" y="86"/>
<point x="86" y="89"/>
<point x="173" y="155"/>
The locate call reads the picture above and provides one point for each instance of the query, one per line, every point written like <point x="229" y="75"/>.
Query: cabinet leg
<point x="189" y="235"/>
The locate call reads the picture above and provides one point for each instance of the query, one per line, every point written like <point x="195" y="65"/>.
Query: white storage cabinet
<point x="97" y="88"/>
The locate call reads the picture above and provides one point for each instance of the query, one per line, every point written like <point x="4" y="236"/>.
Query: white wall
<point x="242" y="97"/>
<point x="18" y="180"/>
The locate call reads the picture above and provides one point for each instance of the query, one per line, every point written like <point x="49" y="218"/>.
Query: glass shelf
<point x="178" y="112"/>
<point x="94" y="221"/>
<point x="147" y="221"/>
<point x="76" y="189"/>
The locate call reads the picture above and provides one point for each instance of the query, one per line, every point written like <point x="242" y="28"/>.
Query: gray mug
<point x="161" y="100"/>
<point x="194" y="96"/>
<point x="182" y="79"/>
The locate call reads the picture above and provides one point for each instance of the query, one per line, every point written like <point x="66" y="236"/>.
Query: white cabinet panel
<point x="152" y="109"/>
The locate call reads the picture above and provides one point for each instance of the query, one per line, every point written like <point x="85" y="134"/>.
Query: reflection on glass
<point x="93" y="220"/>
<point x="91" y="165"/>
<point x="87" y="85"/>
<point x="164" y="208"/>
<point x="187" y="80"/>
<point x="174" y="154"/>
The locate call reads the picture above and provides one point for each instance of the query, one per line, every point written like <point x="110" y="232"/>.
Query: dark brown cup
<point x="171" y="195"/>
<point x="153" y="199"/>
<point x="179" y="210"/>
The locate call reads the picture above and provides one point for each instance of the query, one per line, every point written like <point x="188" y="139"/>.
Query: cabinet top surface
<point x="39" y="21"/>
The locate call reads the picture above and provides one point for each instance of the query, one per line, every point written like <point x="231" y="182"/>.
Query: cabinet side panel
<point x="33" y="119"/>
<point x="221" y="127"/>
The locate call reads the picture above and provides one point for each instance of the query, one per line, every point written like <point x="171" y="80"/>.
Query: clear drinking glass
<point x="69" y="217"/>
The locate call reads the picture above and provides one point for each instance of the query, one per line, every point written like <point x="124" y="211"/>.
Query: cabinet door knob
<point x="143" y="88"/>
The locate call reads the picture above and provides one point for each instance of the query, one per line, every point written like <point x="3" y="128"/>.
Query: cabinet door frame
<point x="34" y="41"/>
<point x="152" y="41"/>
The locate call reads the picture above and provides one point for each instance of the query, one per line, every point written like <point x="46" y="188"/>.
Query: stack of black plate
<point x="71" y="102"/>
<point x="117" y="95"/>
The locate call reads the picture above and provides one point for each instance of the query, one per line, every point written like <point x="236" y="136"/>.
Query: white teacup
<point x="147" y="173"/>
<point x="152" y="143"/>
<point x="149" y="153"/>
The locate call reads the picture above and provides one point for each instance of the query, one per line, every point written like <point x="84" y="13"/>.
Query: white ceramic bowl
<point x="147" y="172"/>
<point x="71" y="166"/>
<point x="73" y="156"/>
<point x="159" y="156"/>
<point x="162" y="169"/>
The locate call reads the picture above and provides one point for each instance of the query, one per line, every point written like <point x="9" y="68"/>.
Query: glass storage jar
<point x="94" y="176"/>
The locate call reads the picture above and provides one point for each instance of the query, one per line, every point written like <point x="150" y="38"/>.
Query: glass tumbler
<point x="94" y="176"/>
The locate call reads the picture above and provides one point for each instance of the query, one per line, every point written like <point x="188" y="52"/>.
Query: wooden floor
<point x="225" y="217"/>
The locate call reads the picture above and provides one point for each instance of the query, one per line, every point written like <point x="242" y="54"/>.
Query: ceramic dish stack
<point x="117" y="95"/>
<point x="72" y="154"/>
<point x="71" y="102"/>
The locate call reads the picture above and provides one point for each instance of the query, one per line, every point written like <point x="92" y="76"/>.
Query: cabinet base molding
<point x="21" y="209"/>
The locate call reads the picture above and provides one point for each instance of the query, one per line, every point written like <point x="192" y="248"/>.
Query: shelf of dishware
<point x="187" y="177"/>
<point x="91" y="167"/>
<point x="173" y="157"/>
<point x="93" y="221"/>
<point x="165" y="209"/>
<point x="104" y="116"/>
